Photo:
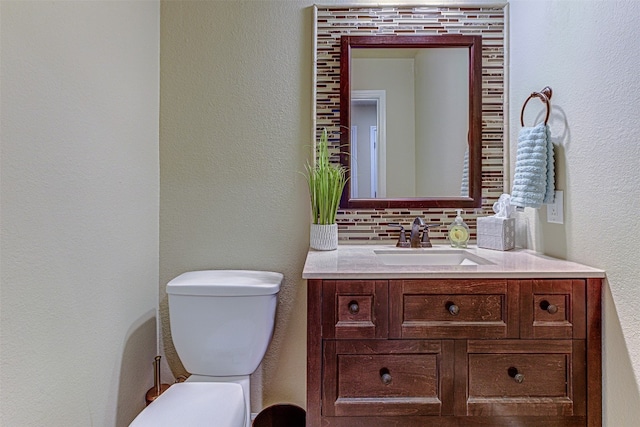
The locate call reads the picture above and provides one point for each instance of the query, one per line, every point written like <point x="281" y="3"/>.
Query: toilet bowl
<point x="221" y="324"/>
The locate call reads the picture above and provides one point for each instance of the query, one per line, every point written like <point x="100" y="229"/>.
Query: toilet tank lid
<point x="226" y="283"/>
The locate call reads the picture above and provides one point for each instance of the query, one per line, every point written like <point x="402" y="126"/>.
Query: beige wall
<point x="235" y="131"/>
<point x="79" y="220"/>
<point x="587" y="52"/>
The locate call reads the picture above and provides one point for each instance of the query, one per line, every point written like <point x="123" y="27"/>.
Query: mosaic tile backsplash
<point x="365" y="225"/>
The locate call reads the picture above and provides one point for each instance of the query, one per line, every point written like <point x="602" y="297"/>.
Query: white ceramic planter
<point x="324" y="237"/>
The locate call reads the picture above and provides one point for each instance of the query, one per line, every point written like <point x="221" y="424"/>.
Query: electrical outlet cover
<point x="555" y="211"/>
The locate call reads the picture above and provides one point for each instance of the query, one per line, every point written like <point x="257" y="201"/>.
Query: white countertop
<point x="361" y="262"/>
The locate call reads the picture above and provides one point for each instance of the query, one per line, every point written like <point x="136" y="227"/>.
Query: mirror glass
<point x="410" y="113"/>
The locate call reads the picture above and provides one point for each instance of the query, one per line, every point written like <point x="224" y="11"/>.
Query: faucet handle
<point x="425" y="242"/>
<point x="402" y="238"/>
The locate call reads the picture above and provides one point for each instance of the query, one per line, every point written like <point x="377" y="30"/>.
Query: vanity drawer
<point x="354" y="309"/>
<point x="553" y="309"/>
<point x="387" y="378"/>
<point x="453" y="309"/>
<point x="526" y="377"/>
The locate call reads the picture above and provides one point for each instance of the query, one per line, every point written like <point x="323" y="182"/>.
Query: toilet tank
<point x="222" y="320"/>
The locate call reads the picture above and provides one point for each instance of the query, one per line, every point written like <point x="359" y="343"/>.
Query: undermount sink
<point x="429" y="257"/>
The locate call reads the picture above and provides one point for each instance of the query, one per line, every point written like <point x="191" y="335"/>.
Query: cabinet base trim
<point x="447" y="421"/>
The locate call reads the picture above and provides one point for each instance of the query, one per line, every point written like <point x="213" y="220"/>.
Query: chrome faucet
<point x="414" y="237"/>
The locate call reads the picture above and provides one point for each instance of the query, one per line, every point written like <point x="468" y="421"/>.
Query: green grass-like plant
<point x="326" y="182"/>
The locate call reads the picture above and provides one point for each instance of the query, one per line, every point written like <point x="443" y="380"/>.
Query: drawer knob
<point x="517" y="376"/>
<point x="453" y="309"/>
<point x="550" y="308"/>
<point x="385" y="376"/>
<point x="354" y="308"/>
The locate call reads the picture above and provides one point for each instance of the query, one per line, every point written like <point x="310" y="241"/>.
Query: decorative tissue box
<point x="496" y="233"/>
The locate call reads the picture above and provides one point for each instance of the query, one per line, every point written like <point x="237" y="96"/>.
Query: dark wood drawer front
<point x="387" y="378"/>
<point x="355" y="309"/>
<point x="453" y="309"/>
<point x="525" y="378"/>
<point x="517" y="375"/>
<point x="553" y="309"/>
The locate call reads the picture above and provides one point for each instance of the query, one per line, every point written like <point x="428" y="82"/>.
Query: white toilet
<point x="221" y="323"/>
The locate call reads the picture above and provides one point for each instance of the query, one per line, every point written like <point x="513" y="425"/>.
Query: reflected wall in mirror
<point x="410" y="114"/>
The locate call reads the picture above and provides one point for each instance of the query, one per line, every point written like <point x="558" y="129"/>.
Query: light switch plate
<point x="555" y="211"/>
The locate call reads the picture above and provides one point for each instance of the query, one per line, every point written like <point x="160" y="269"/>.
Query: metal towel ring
<point x="545" y="96"/>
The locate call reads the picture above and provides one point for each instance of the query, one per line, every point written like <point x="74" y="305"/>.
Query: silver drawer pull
<point x="354" y="308"/>
<point x="385" y="376"/>
<point x="550" y="308"/>
<point x="453" y="309"/>
<point x="517" y="376"/>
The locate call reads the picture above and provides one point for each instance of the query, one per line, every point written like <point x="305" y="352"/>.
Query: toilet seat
<point x="195" y="404"/>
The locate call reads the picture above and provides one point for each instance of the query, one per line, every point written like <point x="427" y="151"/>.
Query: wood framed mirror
<point x="411" y="121"/>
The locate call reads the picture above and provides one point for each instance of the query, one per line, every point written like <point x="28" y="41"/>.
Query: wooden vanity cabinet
<point x="444" y="352"/>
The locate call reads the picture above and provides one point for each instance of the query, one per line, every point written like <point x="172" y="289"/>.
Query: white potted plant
<point x="326" y="182"/>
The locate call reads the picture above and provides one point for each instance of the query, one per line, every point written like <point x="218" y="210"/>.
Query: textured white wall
<point x="588" y="52"/>
<point x="79" y="219"/>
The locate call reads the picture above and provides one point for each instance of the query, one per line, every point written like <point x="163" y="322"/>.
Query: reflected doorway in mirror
<point x="368" y="144"/>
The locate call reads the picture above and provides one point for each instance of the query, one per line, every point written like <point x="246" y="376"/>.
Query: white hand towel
<point x="534" y="178"/>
